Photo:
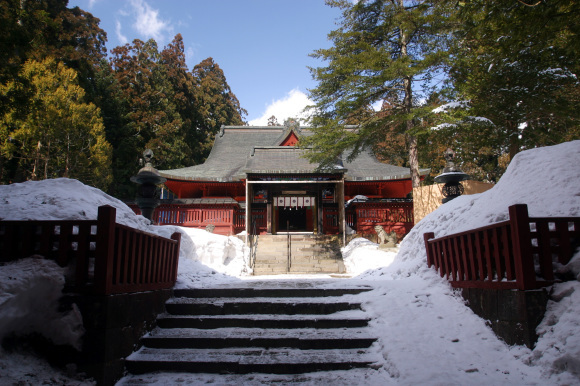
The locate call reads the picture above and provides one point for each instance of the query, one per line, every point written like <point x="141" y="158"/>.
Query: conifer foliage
<point x="513" y="76"/>
<point x="57" y="134"/>
<point x="516" y="63"/>
<point x="66" y="110"/>
<point x="382" y="51"/>
<point x="216" y="103"/>
<point x="488" y="78"/>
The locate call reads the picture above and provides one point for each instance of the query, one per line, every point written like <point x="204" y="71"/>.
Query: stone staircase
<point x="310" y="254"/>
<point x="245" y="330"/>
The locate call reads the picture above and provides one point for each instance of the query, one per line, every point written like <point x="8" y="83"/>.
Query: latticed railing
<point x="392" y="216"/>
<point x="104" y="257"/>
<point x="520" y="253"/>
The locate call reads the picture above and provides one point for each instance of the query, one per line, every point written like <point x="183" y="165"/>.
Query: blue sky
<point x="261" y="45"/>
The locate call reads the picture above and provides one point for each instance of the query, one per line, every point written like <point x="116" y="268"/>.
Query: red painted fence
<point x="103" y="257"/>
<point x="392" y="216"/>
<point x="361" y="216"/>
<point x="227" y="221"/>
<point x="221" y="218"/>
<point x="516" y="254"/>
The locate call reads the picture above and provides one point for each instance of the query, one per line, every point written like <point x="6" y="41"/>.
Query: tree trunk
<point x="46" y="159"/>
<point x="36" y="162"/>
<point x="414" y="161"/>
<point x="408" y="105"/>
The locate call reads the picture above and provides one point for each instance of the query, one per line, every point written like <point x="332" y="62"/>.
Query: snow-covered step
<point x="289" y="328"/>
<point x="247" y="360"/>
<point x="338" y="338"/>
<point x="351" y="377"/>
<point x="288" y="306"/>
<point x="270" y="271"/>
<point x="273" y="292"/>
<point x="342" y="319"/>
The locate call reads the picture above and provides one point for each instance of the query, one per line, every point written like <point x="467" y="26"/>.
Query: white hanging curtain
<point x="296" y="202"/>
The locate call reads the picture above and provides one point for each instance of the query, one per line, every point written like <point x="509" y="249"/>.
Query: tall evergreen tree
<point x="383" y="50"/>
<point x="516" y="64"/>
<point x="182" y="94"/>
<point x="216" y="104"/>
<point x="41" y="28"/>
<point x="57" y="134"/>
<point x="34" y="31"/>
<point x="150" y="117"/>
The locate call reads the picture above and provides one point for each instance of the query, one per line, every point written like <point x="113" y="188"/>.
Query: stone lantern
<point x="451" y="177"/>
<point x="148" y="178"/>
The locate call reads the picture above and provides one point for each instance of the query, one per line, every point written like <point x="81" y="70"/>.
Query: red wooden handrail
<point x="125" y="259"/>
<point x="504" y="255"/>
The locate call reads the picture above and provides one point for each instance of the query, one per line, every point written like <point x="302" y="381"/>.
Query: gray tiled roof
<point x="278" y="160"/>
<point x="238" y="150"/>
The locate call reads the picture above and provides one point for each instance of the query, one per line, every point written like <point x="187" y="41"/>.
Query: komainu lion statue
<point x="386" y="238"/>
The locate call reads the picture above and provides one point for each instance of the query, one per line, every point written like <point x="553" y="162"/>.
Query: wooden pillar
<point x="269" y="214"/>
<point x="430" y="258"/>
<point x="248" y="211"/>
<point x="522" y="248"/>
<point x="319" y="211"/>
<point x="105" y="248"/>
<point x="341" y="223"/>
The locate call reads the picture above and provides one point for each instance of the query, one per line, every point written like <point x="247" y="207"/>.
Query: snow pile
<point x="212" y="257"/>
<point x="29" y="293"/>
<point x="546" y="179"/>
<point x="64" y="198"/>
<point x="61" y="199"/>
<point x="558" y="348"/>
<point x="429" y="337"/>
<point x="361" y="255"/>
<point x="23" y="369"/>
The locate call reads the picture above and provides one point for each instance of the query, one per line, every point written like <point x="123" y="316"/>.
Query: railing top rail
<point x="54" y="222"/>
<point x="507" y="222"/>
<point x="153" y="235"/>
<point x="487" y="227"/>
<point x="555" y="219"/>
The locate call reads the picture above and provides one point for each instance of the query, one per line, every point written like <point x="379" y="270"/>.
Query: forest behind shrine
<point x="494" y="78"/>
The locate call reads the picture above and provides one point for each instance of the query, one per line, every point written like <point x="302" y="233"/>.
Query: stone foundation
<point x="512" y="314"/>
<point x="113" y="327"/>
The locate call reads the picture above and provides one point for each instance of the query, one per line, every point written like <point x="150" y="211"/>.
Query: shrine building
<point x="259" y="173"/>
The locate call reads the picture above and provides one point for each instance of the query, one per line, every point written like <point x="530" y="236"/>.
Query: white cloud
<point x="290" y="106"/>
<point x="122" y="38"/>
<point x="148" y="22"/>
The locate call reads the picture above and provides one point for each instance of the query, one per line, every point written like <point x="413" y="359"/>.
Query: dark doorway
<point x="292" y="219"/>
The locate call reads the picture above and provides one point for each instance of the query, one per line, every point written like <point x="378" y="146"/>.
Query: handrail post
<point x="104" y="253"/>
<point x="177" y="237"/>
<point x="426" y="237"/>
<point x="522" y="248"/>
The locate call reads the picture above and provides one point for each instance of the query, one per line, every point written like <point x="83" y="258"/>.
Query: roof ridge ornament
<point x="292" y="124"/>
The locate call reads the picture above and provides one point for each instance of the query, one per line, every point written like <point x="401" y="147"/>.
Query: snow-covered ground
<point x="426" y="333"/>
